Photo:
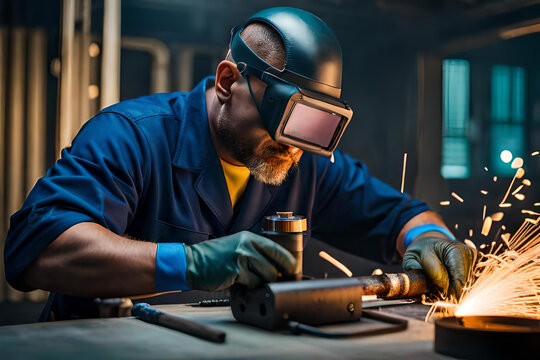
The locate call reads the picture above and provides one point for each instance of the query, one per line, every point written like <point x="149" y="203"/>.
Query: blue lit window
<point x="455" y="118"/>
<point x="507" y="115"/>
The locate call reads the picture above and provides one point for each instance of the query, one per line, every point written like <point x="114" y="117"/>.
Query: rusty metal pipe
<point x="395" y="286"/>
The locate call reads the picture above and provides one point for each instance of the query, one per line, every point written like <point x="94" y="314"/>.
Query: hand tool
<point x="145" y="312"/>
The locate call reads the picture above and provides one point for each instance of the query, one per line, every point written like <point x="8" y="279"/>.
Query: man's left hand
<point x="447" y="263"/>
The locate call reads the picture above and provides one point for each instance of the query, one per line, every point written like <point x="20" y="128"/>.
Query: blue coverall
<point x="148" y="168"/>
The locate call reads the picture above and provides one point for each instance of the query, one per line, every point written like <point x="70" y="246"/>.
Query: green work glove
<point x="242" y="258"/>
<point x="447" y="263"/>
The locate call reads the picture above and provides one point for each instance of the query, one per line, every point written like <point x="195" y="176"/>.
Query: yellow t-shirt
<point x="237" y="178"/>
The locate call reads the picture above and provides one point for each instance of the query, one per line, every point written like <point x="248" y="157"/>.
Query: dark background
<point x="392" y="53"/>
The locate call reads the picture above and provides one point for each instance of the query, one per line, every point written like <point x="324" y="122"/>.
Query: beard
<point x="267" y="160"/>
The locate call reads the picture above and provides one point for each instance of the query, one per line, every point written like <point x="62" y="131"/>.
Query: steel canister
<point x="287" y="230"/>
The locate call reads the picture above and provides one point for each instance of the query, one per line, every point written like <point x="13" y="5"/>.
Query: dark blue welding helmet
<point x="301" y="105"/>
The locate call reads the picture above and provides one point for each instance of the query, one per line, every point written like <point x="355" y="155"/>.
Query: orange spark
<point x="336" y="263"/>
<point x="456" y="196"/>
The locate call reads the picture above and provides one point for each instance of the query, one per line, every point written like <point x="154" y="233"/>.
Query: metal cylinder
<point x="287" y="230"/>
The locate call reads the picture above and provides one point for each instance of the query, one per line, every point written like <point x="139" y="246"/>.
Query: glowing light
<point x="503" y="283"/>
<point x="484" y="192"/>
<point x="505" y="205"/>
<point x="485" y="168"/>
<point x="498" y="216"/>
<point x="471" y="233"/>
<point x="486" y="226"/>
<point x="470" y="243"/>
<point x="536" y="204"/>
<point x="517" y="163"/>
<point x="526" y="182"/>
<point x="403" y="174"/>
<point x="518" y="189"/>
<point x="456" y="196"/>
<point x="530" y="212"/>
<point x="506" y="156"/>
<point x="535" y="153"/>
<point x="93" y="92"/>
<point x="520" y="172"/>
<point x="377" y="272"/>
<point x="494" y="179"/>
<point x="93" y="50"/>
<point x="520" y="197"/>
<point x="336" y="263"/>
<point x="484" y="213"/>
<point x="456" y="226"/>
<point x="445" y="203"/>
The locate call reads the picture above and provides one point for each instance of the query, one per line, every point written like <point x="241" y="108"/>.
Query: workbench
<point x="130" y="338"/>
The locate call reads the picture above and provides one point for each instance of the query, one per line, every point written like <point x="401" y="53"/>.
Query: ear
<point x="226" y="76"/>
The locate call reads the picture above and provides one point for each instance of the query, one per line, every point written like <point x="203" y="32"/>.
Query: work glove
<point x="242" y="258"/>
<point x="447" y="263"/>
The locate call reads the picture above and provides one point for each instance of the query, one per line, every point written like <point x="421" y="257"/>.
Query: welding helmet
<point x="301" y="105"/>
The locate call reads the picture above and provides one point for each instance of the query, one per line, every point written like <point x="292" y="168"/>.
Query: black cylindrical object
<point x="287" y="230"/>
<point x="311" y="302"/>
<point x="487" y="337"/>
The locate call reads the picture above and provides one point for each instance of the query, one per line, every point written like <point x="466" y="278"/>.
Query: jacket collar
<point x="195" y="151"/>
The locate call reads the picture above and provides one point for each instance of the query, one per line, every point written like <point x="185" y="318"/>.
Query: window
<point x="507" y="115"/>
<point x="455" y="118"/>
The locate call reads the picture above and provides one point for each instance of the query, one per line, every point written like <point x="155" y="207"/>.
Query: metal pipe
<point x="65" y="117"/>
<point x="15" y="126"/>
<point x="160" y="60"/>
<point x="3" y="218"/>
<point x="110" y="60"/>
<point x="84" y="67"/>
<point x="36" y="120"/>
<point x="37" y="67"/>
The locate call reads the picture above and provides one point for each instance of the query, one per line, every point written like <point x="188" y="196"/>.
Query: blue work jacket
<point x="148" y="168"/>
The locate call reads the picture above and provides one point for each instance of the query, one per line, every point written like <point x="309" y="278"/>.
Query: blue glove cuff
<point x="420" y="229"/>
<point x="170" y="272"/>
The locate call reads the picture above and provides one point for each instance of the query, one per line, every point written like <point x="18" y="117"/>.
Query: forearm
<point x="89" y="260"/>
<point x="422" y="218"/>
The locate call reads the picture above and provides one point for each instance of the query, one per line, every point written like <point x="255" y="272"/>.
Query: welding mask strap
<point x="398" y="325"/>
<point x="253" y="95"/>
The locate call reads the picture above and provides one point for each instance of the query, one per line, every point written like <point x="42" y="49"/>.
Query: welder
<point x="167" y="192"/>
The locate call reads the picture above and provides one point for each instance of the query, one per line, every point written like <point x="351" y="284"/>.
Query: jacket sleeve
<point x="357" y="212"/>
<point x="100" y="179"/>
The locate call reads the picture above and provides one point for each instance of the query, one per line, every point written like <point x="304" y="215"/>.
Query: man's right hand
<point x="242" y="258"/>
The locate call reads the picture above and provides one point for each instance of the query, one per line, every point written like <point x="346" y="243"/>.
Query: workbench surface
<point x="129" y="338"/>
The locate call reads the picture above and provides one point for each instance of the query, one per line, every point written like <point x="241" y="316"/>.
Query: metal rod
<point x="110" y="60"/>
<point x="36" y="120"/>
<point x="65" y="117"/>
<point x="15" y="126"/>
<point x="84" y="66"/>
<point x="160" y="60"/>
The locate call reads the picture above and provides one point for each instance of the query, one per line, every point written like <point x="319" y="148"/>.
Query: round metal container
<point x="287" y="230"/>
<point x="487" y="337"/>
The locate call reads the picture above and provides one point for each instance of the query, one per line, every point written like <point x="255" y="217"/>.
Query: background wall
<point x="392" y="49"/>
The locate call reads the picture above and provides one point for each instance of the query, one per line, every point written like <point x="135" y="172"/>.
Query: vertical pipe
<point x="15" y="126"/>
<point x="110" y="60"/>
<point x="84" y="67"/>
<point x="185" y="71"/>
<point x="3" y="217"/>
<point x="36" y="120"/>
<point x="37" y="68"/>
<point x="65" y="117"/>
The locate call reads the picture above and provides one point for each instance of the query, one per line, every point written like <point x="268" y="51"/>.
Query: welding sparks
<point x="456" y="196"/>
<point x="494" y="179"/>
<point x="518" y="189"/>
<point x="520" y="197"/>
<point x="526" y="182"/>
<point x="536" y="204"/>
<point x="535" y="153"/>
<point x="471" y="233"/>
<point x="403" y="173"/>
<point x="503" y="283"/>
<point x="484" y="192"/>
<point x="336" y="263"/>
<point x="485" y="168"/>
<point x="519" y="174"/>
<point x="484" y="213"/>
<point x="486" y="226"/>
<point x="517" y="163"/>
<point x="444" y="203"/>
<point x="498" y="216"/>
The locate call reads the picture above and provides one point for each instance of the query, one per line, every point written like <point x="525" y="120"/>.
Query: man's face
<point x="242" y="132"/>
